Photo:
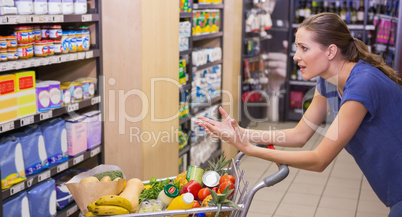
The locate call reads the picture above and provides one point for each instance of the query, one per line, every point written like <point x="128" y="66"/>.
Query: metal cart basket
<point x="242" y="196"/>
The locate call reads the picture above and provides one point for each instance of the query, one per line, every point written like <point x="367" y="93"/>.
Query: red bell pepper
<point x="192" y="187"/>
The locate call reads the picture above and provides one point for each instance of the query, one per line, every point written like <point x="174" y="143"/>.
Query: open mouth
<point x="302" y="68"/>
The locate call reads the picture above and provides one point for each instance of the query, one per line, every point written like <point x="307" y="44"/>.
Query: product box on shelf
<point x="8" y="10"/>
<point x="6" y="3"/>
<point x="42" y="96"/>
<point x="25" y="86"/>
<point x="55" y="135"/>
<point x="11" y="162"/>
<point x="94" y="128"/>
<point x="42" y="199"/>
<point x="8" y="98"/>
<point x="76" y="135"/>
<point x="34" y="150"/>
<point x="17" y="205"/>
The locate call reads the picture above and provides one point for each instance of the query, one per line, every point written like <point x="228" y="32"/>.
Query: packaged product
<point x="63" y="195"/>
<point x="42" y="96"/>
<point x="8" y="10"/>
<point x="42" y="199"/>
<point x="54" y="93"/>
<point x="54" y="6"/>
<point x="94" y="128"/>
<point x="17" y="205"/>
<point x="33" y="144"/>
<point x="40" y="7"/>
<point x="6" y="3"/>
<point x="55" y="135"/>
<point x="80" y="6"/>
<point x="67" y="6"/>
<point x="76" y="135"/>
<point x="8" y="98"/>
<point x="11" y="162"/>
<point x="24" y="7"/>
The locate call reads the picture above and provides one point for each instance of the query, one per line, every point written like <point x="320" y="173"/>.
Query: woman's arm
<point x="340" y="132"/>
<point x="299" y="135"/>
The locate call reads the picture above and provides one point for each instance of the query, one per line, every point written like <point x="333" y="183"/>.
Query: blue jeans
<point x="396" y="210"/>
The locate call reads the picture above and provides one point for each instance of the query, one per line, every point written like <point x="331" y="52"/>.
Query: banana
<point x="89" y="214"/>
<point x="110" y="210"/>
<point x="114" y="200"/>
<point x="91" y="206"/>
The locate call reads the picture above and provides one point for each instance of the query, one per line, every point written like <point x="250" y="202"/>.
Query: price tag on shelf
<point x="3" y="66"/>
<point x="37" y="19"/>
<point x="18" y="65"/>
<point x="78" y="159"/>
<point x="29" y="182"/>
<point x="24" y="64"/>
<point x="30" y="63"/>
<point x="47" y="18"/>
<point x="58" y="18"/>
<point x="37" y="62"/>
<point x="26" y="121"/>
<point x="7" y="126"/>
<point x="10" y="65"/>
<point x="43" y="176"/>
<point x="27" y="19"/>
<point x="63" y="58"/>
<point x="11" y="20"/>
<point x="95" y="100"/>
<point x="81" y="56"/>
<point x="54" y="59"/>
<point x="95" y="151"/>
<point x="45" y="115"/>
<point x="86" y="18"/>
<point x="62" y="167"/>
<point x="17" y="188"/>
<point x="72" y="210"/>
<point x="72" y="107"/>
<point x="44" y="61"/>
<point x="89" y="54"/>
<point x="13" y="64"/>
<point x="73" y="57"/>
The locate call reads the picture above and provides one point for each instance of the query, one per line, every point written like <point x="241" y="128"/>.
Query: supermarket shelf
<point x="185" y="87"/>
<point x="253" y="34"/>
<point x="208" y="6"/>
<point x="198" y="68"/>
<point x="251" y="58"/>
<point x="214" y="155"/>
<point x="212" y="35"/>
<point x="43" y="61"/>
<point x="32" y="180"/>
<point x="295" y="114"/>
<point x="186" y="52"/>
<point x="202" y="106"/>
<point x="302" y="83"/>
<point x="184" y="120"/>
<point x="36" y="118"/>
<point x="370" y="27"/>
<point x="184" y="151"/>
<point x="68" y="211"/>
<point x="29" y="19"/>
<point x="186" y="15"/>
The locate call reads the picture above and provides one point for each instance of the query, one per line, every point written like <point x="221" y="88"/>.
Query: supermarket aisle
<point x="341" y="190"/>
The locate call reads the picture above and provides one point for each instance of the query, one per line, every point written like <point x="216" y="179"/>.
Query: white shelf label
<point x="3" y="66"/>
<point x="63" y="58"/>
<point x="7" y="126"/>
<point x="62" y="167"/>
<point x="31" y="63"/>
<point x="10" y="65"/>
<point x="89" y="54"/>
<point x="37" y="19"/>
<point x="17" y="188"/>
<point x="86" y="17"/>
<point x="14" y="64"/>
<point x="81" y="56"/>
<point x="11" y="19"/>
<point x="73" y="57"/>
<point x="58" y="18"/>
<point x="72" y="210"/>
<point x="78" y="159"/>
<point x="95" y="100"/>
<point x="45" y="115"/>
<point x="72" y="107"/>
<point x="48" y="18"/>
<point x="24" y="64"/>
<point x="44" y="61"/>
<point x="29" y="182"/>
<point x="36" y="62"/>
<point x="18" y="65"/>
<point x="27" y="120"/>
<point x="43" y="176"/>
<point x="27" y="19"/>
<point x="95" y="151"/>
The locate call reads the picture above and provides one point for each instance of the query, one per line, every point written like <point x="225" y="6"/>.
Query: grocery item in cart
<point x="150" y="206"/>
<point x="167" y="195"/>
<point x="184" y="201"/>
<point x="195" y="173"/>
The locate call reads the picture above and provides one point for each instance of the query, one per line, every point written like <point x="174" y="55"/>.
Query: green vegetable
<point x="112" y="174"/>
<point x="153" y="192"/>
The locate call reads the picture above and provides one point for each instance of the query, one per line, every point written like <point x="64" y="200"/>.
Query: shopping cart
<point x="242" y="196"/>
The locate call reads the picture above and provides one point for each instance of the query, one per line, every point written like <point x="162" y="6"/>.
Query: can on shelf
<point x="65" y="92"/>
<point x="195" y="173"/>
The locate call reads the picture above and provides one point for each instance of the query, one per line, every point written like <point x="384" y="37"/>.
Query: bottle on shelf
<point x="353" y="12"/>
<point x="297" y="12"/>
<point x="360" y="13"/>
<point x="369" y="42"/>
<point x="371" y="13"/>
<point x="293" y="74"/>
<point x="326" y="6"/>
<point x="332" y="7"/>
<point x="343" y="12"/>
<point x="320" y="7"/>
<point x="307" y="10"/>
<point x="314" y="8"/>
<point x="338" y="7"/>
<point x="302" y="10"/>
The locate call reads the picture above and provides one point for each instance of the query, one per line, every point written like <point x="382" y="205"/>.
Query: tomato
<point x="216" y="189"/>
<point x="224" y="185"/>
<point x="203" y="193"/>
<point x="225" y="178"/>
<point x="196" y="204"/>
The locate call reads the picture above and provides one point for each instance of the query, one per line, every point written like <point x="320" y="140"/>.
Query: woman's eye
<point x="304" y="48"/>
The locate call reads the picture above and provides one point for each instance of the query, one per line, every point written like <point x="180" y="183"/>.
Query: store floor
<point x="340" y="191"/>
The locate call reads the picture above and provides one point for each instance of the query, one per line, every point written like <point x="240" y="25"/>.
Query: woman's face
<point x="310" y="55"/>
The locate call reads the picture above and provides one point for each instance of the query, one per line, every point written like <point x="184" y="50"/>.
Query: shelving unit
<point x="194" y="108"/>
<point x="358" y="30"/>
<point x="63" y="62"/>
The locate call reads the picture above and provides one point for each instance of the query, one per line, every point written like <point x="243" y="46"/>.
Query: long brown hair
<point x="329" y="28"/>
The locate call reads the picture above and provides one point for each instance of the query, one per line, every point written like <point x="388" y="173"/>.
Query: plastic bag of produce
<point x="86" y="188"/>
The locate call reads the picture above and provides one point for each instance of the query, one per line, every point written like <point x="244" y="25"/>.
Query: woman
<point x="360" y="89"/>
